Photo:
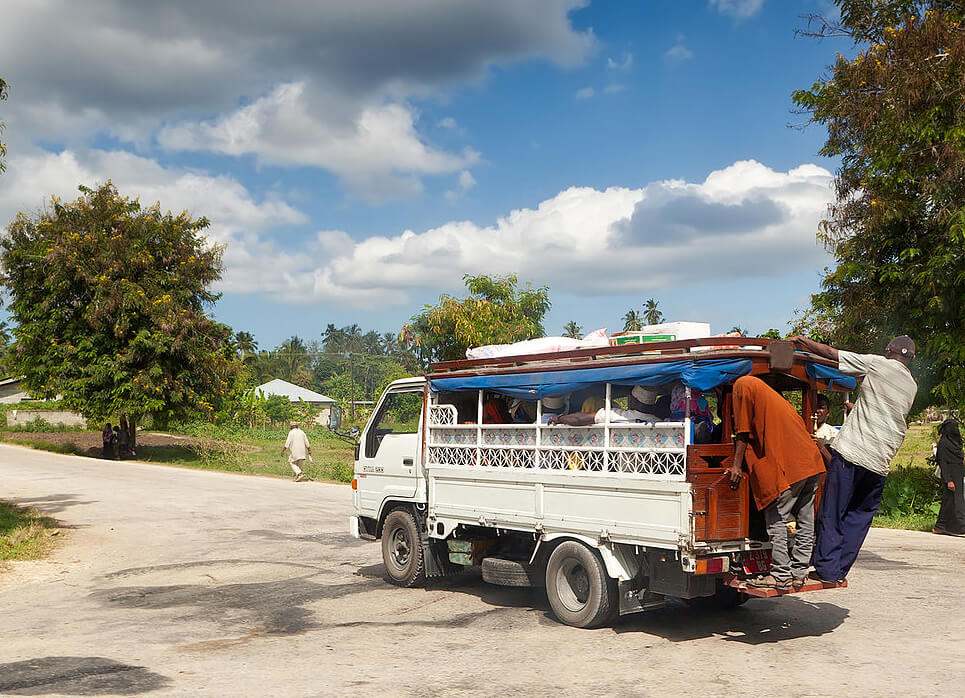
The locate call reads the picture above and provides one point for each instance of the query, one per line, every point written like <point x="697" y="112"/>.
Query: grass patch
<point x="916" y="447"/>
<point x="908" y="522"/>
<point x="256" y="451"/>
<point x="66" y="446"/>
<point x="24" y="533"/>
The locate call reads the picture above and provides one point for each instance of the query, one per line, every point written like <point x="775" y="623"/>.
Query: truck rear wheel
<point x="402" y="549"/>
<point x="580" y="591"/>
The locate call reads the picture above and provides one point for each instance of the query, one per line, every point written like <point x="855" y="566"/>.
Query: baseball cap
<point x="903" y="345"/>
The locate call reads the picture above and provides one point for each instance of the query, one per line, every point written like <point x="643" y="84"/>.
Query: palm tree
<point x="390" y="344"/>
<point x="632" y="322"/>
<point x="245" y="341"/>
<point x="571" y="329"/>
<point x="292" y="352"/>
<point x="742" y="331"/>
<point x="334" y="339"/>
<point x="653" y="316"/>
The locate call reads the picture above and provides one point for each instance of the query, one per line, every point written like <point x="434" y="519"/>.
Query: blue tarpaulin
<point x="830" y="374"/>
<point x="694" y="373"/>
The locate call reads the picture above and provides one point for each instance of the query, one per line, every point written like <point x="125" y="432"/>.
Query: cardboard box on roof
<point x="664" y="332"/>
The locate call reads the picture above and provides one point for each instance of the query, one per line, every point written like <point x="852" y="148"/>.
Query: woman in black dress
<point x="951" y="517"/>
<point x="107" y="436"/>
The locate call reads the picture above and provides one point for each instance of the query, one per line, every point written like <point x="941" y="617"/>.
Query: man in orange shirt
<point x="783" y="466"/>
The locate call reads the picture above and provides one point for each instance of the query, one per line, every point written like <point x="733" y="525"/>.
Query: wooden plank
<point x="765" y="593"/>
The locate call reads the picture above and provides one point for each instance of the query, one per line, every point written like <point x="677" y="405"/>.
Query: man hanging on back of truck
<point x="784" y="466"/>
<point x="861" y="453"/>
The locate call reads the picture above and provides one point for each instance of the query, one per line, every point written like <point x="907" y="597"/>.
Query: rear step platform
<point x="765" y="592"/>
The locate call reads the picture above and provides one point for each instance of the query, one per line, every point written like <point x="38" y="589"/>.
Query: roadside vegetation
<point x="912" y="492"/>
<point x="24" y="533"/>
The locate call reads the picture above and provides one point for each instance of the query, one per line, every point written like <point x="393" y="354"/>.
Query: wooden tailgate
<point x="720" y="513"/>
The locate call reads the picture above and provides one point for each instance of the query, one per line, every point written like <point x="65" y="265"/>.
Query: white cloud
<point x="744" y="221"/>
<point x="448" y="122"/>
<point x="379" y="154"/>
<point x="625" y="64"/>
<point x="678" y="53"/>
<point x="122" y="68"/>
<point x="739" y="9"/>
<point x="237" y="219"/>
<point x="465" y="183"/>
<point x="584" y="93"/>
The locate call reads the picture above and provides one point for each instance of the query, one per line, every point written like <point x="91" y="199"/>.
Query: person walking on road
<point x="861" y="453"/>
<point x="298" y="450"/>
<point x="951" y="517"/>
<point x="784" y="467"/>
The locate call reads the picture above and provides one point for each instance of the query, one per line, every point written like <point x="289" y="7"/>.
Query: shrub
<point x="910" y="490"/>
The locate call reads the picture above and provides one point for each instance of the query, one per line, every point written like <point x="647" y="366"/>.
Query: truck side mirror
<point x="334" y="417"/>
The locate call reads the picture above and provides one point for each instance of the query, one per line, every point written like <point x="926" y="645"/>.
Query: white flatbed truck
<point x="610" y="518"/>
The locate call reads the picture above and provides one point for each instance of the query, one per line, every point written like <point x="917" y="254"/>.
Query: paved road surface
<point x="183" y="582"/>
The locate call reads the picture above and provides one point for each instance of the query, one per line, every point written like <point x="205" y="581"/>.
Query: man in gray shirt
<point x="862" y="452"/>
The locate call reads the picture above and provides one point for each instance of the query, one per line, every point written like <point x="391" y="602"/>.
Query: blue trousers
<point x="851" y="497"/>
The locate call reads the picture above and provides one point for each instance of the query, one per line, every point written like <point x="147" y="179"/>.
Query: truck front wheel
<point x="580" y="591"/>
<point x="402" y="549"/>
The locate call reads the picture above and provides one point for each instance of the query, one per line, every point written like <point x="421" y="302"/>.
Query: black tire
<point x="725" y="597"/>
<point x="580" y="591"/>
<point x="402" y="549"/>
<point x="510" y="573"/>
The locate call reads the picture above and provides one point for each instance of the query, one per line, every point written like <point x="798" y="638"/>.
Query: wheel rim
<point x="400" y="548"/>
<point x="573" y="585"/>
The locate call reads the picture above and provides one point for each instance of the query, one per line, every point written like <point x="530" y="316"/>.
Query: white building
<point x="297" y="394"/>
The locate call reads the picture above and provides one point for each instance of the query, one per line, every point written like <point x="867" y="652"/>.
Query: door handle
<point x="407" y="462"/>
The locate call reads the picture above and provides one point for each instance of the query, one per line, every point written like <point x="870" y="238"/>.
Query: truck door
<point x="389" y="452"/>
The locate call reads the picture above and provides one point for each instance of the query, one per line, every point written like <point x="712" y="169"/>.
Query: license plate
<point x="757" y="561"/>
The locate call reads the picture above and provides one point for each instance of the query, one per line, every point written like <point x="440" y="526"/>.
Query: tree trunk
<point x="131" y="433"/>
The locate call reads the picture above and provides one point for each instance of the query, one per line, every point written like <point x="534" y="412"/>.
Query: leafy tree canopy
<point x="109" y="302"/>
<point x="496" y="312"/>
<point x="895" y="115"/>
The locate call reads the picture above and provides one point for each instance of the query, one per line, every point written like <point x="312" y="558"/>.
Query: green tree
<point x="245" y="341"/>
<point x="772" y="333"/>
<point x="742" y="331"/>
<point x="109" y="302"/>
<point x="895" y="115"/>
<point x="496" y="312"/>
<point x="293" y="354"/>
<point x="3" y="146"/>
<point x="651" y="313"/>
<point x="571" y="329"/>
<point x="632" y="321"/>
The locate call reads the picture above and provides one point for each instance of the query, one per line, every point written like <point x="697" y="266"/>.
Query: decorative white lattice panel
<point x="442" y="415"/>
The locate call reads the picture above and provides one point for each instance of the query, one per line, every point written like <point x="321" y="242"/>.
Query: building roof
<point x="293" y="392"/>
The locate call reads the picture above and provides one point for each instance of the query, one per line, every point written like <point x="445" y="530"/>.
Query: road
<point x="173" y="581"/>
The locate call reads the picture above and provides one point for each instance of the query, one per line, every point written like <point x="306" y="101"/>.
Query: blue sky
<point x="358" y="158"/>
